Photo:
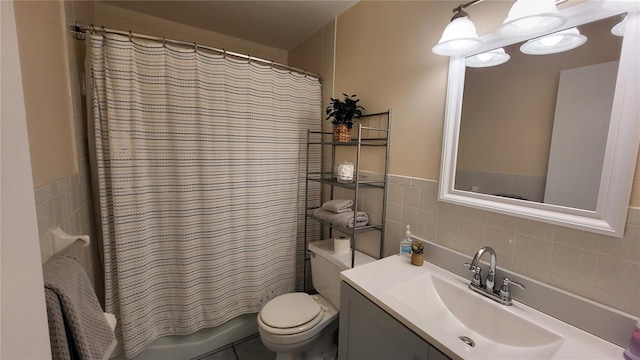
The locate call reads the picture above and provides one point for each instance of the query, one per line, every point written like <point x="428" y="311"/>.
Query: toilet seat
<point x="290" y="314"/>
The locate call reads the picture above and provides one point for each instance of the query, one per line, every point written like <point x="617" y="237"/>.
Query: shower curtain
<point x="200" y="162"/>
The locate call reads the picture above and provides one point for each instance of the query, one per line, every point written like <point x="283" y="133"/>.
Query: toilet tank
<point x="326" y="266"/>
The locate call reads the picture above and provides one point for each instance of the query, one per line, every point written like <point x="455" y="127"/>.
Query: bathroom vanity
<point x="368" y="332"/>
<point x="392" y="309"/>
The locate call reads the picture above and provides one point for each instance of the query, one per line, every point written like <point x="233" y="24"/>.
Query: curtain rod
<point x="78" y="30"/>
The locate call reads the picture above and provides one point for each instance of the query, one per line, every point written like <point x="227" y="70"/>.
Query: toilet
<point x="299" y="326"/>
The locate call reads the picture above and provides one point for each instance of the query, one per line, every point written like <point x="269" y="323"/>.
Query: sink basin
<point x="463" y="313"/>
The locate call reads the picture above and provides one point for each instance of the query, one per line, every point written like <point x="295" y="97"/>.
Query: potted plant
<point x="417" y="252"/>
<point x="343" y="112"/>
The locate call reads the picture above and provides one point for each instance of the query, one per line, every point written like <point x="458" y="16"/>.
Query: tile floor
<point x="250" y="348"/>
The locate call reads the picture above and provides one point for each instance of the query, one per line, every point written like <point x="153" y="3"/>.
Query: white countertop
<point x="380" y="280"/>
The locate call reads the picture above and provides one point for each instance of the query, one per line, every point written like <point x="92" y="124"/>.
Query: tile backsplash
<point x="601" y="268"/>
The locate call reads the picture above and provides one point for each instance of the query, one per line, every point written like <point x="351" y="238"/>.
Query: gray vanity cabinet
<point x="368" y="332"/>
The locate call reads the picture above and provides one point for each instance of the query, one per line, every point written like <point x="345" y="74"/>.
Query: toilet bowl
<point x="299" y="326"/>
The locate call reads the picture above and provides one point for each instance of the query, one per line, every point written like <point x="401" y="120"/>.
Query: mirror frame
<point x="609" y="217"/>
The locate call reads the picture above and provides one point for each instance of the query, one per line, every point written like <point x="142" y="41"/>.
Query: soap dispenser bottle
<point x="633" y="350"/>
<point x="405" y="244"/>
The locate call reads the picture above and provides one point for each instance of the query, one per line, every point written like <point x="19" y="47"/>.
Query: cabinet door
<point x="368" y="332"/>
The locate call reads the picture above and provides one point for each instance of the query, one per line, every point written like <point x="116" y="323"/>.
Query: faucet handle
<point x="505" y="294"/>
<point x="506" y="281"/>
<point x="477" y="277"/>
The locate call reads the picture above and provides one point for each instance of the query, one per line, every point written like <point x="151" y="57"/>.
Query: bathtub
<point x="198" y="343"/>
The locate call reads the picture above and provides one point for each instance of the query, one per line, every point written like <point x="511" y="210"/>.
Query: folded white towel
<point x="344" y="219"/>
<point x="338" y="205"/>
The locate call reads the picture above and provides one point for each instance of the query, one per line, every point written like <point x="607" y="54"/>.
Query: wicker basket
<point x="341" y="133"/>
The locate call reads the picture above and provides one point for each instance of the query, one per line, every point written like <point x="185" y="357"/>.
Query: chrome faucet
<point x="503" y="295"/>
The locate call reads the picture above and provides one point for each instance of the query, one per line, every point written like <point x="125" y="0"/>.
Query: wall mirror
<point x="552" y="138"/>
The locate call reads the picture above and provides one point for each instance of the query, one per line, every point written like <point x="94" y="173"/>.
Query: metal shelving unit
<point x="360" y="144"/>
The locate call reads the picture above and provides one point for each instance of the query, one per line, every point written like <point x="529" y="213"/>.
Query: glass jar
<point x="346" y="172"/>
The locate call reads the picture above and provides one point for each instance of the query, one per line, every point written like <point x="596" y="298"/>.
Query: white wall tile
<point x="627" y="248"/>
<point x="450" y="210"/>
<point x="427" y="225"/>
<point x="448" y="231"/>
<point x="44" y="212"/>
<point x="578" y="239"/>
<point x="428" y="200"/>
<point x="473" y="215"/>
<point x="633" y="216"/>
<point x="471" y="237"/>
<point x="424" y="184"/>
<point x="573" y="263"/>
<point x="534" y="252"/>
<point x="411" y="196"/>
<point x="45" y="192"/>
<point x="395" y="193"/>
<point x="410" y="216"/>
<point x="536" y="229"/>
<point x="502" y="221"/>
<point x="502" y="241"/>
<point x="394" y="211"/>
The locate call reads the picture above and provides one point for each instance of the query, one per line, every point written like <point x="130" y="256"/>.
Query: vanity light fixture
<point x="526" y="18"/>
<point x="531" y="17"/>
<point x="486" y="59"/>
<point x="558" y="42"/>
<point x="460" y="36"/>
<point x="618" y="29"/>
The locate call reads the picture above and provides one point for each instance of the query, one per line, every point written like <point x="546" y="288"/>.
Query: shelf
<point x="368" y="138"/>
<point x="363" y="142"/>
<point x="348" y="231"/>
<point x="334" y="182"/>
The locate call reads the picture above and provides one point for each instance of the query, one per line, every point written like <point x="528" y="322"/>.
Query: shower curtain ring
<point x="224" y="54"/>
<point x="92" y="28"/>
<point x="249" y="56"/>
<point x="130" y="36"/>
<point x="195" y="47"/>
<point x="164" y="42"/>
<point x="289" y="69"/>
<point x="102" y="30"/>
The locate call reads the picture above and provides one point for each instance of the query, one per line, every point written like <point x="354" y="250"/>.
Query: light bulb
<point x="486" y="59"/>
<point x="554" y="43"/>
<point x="551" y="41"/>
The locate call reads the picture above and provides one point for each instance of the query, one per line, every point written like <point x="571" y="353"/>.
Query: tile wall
<point x="601" y="268"/>
<point x="65" y="203"/>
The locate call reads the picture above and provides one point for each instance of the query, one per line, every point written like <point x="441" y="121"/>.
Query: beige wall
<point x="316" y="54"/>
<point x="45" y="75"/>
<point x="122" y="19"/>
<point x="383" y="54"/>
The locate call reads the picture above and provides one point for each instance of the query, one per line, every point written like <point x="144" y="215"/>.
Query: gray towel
<point x="77" y="326"/>
<point x="344" y="219"/>
<point x="338" y="205"/>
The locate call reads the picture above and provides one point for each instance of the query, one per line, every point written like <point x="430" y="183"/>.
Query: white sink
<point x="438" y="306"/>
<point x="463" y="313"/>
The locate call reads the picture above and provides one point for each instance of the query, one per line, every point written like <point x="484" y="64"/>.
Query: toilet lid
<point x="290" y="310"/>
